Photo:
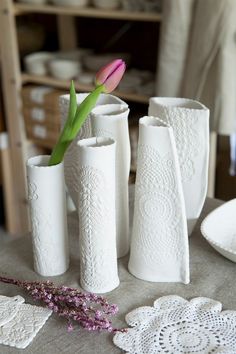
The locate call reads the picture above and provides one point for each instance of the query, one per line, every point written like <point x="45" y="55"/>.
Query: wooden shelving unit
<point x="61" y="84"/>
<point x="23" y="9"/>
<point x="13" y="80"/>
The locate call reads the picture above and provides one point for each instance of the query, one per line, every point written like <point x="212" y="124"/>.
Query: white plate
<point x="219" y="229"/>
<point x="64" y="69"/>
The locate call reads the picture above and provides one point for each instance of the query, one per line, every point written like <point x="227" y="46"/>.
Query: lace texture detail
<point x="122" y="176"/>
<point x="187" y="137"/>
<point x="23" y="327"/>
<point x="45" y="256"/>
<point x="9" y="307"/>
<point x="157" y="207"/>
<point x="32" y="191"/>
<point x="175" y="325"/>
<point x="98" y="264"/>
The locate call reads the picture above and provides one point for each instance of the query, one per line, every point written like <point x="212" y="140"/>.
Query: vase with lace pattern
<point x="159" y="242"/>
<point x="96" y="210"/>
<point x="71" y="158"/>
<point x="111" y="120"/>
<point x="47" y="201"/>
<point x="190" y="122"/>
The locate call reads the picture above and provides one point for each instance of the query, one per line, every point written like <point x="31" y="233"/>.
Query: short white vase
<point x="71" y="158"/>
<point x="96" y="209"/>
<point x="190" y="122"/>
<point x="159" y="242"/>
<point x="47" y="200"/>
<point x="111" y="120"/>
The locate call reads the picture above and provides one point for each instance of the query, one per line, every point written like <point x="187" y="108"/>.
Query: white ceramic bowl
<point x="36" y="63"/>
<point x="107" y="4"/>
<point x="64" y="69"/>
<point x="79" y="3"/>
<point x="219" y="229"/>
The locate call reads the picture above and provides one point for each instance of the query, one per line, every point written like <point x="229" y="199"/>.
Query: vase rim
<point x="110" y="110"/>
<point x="41" y="161"/>
<point x="154" y="122"/>
<point x="96" y="142"/>
<point x="178" y="103"/>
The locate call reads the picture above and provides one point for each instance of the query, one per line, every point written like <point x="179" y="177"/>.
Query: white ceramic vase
<point x="159" y="243"/>
<point x="47" y="200"/>
<point x="190" y="122"/>
<point x="71" y="158"/>
<point x="96" y="209"/>
<point x="111" y="120"/>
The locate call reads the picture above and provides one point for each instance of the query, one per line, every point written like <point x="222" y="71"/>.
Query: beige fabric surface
<point x="198" y="55"/>
<point x="211" y="276"/>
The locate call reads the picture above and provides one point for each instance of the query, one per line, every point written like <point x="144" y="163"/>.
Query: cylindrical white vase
<point x="71" y="158"/>
<point x="47" y="200"/>
<point x="111" y="120"/>
<point x="96" y="209"/>
<point x="190" y="122"/>
<point x="159" y="244"/>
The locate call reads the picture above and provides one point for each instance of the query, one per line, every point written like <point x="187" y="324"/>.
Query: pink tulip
<point x="110" y="75"/>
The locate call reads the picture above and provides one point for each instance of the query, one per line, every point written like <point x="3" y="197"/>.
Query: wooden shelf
<point x="22" y="9"/>
<point x="50" y="81"/>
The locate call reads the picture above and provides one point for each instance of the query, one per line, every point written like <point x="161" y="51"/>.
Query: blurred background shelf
<point x="50" y="81"/>
<point x="23" y="9"/>
<point x="28" y="28"/>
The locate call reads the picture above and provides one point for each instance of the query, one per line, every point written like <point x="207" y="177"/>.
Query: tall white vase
<point x="159" y="243"/>
<point x="47" y="200"/>
<point x="190" y="122"/>
<point x="71" y="158"/>
<point x="96" y="209"/>
<point x="111" y="120"/>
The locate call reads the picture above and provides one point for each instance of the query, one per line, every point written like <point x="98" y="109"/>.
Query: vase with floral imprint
<point x="190" y="122"/>
<point x="111" y="120"/>
<point x="96" y="210"/>
<point x="159" y="243"/>
<point x="70" y="159"/>
<point x="47" y="200"/>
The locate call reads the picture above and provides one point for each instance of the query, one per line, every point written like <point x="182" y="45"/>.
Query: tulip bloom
<point x="110" y="75"/>
<point x="107" y="79"/>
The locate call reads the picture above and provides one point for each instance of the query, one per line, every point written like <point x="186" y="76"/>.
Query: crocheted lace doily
<point x="175" y="325"/>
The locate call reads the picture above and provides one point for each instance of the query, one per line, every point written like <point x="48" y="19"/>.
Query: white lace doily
<point x="175" y="325"/>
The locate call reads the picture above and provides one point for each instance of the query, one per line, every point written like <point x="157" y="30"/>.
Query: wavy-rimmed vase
<point x="190" y="122"/>
<point x="159" y="243"/>
<point x="96" y="210"/>
<point x="71" y="158"/>
<point x="111" y="120"/>
<point x="47" y="200"/>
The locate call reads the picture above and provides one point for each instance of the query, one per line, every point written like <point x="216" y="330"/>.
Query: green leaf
<point x="84" y="109"/>
<point x="73" y="125"/>
<point x="73" y="103"/>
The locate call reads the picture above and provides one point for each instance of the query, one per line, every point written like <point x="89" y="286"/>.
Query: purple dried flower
<point x="89" y="310"/>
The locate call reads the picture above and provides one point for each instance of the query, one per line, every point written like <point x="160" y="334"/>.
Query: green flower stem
<point x="73" y="126"/>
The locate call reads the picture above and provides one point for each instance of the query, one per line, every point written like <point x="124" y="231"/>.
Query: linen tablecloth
<point x="211" y="276"/>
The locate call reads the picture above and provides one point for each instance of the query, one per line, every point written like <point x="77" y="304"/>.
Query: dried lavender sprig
<point x="87" y="309"/>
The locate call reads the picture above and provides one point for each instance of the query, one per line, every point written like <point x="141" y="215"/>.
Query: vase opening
<point x="95" y="142"/>
<point x="176" y="102"/>
<point x="109" y="110"/>
<point x="153" y="122"/>
<point x="39" y="161"/>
